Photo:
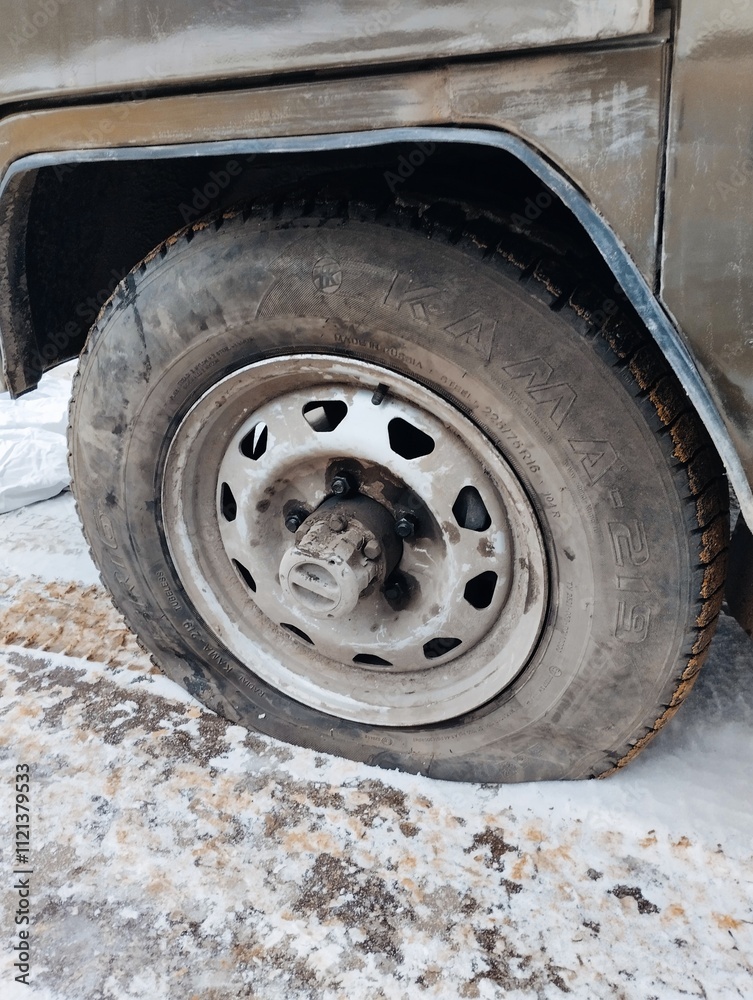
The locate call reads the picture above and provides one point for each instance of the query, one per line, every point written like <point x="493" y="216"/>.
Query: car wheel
<point x="400" y="491"/>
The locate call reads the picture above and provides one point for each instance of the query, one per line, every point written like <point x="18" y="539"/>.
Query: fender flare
<point x="652" y="312"/>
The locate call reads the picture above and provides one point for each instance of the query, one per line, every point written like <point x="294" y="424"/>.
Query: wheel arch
<point x="22" y="369"/>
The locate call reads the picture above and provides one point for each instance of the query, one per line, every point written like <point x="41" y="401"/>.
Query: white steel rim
<point x="418" y="641"/>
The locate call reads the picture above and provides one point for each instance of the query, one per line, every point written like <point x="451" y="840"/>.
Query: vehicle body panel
<point x="597" y="115"/>
<point x="708" y="240"/>
<point x="78" y="47"/>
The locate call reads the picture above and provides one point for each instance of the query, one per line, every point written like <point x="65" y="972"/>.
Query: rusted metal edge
<point x="651" y="311"/>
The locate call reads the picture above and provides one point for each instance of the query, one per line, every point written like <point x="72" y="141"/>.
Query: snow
<point x="176" y="855"/>
<point x="33" y="452"/>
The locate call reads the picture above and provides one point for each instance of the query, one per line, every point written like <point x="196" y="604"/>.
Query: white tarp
<point x="33" y="448"/>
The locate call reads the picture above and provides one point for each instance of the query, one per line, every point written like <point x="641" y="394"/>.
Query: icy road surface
<point x="177" y="856"/>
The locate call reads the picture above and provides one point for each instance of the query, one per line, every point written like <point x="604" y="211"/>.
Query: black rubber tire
<point x="629" y="490"/>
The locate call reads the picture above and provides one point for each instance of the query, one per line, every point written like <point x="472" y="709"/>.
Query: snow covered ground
<point x="177" y="856"/>
<point x="33" y="451"/>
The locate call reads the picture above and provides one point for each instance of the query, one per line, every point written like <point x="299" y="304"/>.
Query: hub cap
<point x="355" y="540"/>
<point x="339" y="551"/>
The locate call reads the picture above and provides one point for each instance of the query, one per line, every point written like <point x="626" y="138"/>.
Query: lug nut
<point x="338" y="523"/>
<point x="372" y="549"/>
<point x="405" y="526"/>
<point x="342" y="485"/>
<point x="294" y="520"/>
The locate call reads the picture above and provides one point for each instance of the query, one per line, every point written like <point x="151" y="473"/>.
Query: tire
<point x="612" y="498"/>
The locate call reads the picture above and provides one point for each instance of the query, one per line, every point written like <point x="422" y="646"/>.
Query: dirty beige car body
<point x="618" y="128"/>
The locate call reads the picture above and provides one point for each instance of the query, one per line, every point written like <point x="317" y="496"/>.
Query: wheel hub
<point x="339" y="552"/>
<point x="413" y="588"/>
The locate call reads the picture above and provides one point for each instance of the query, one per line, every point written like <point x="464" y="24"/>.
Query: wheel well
<point x="90" y="223"/>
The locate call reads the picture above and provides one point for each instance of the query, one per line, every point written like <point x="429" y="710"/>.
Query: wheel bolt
<point x="338" y="523"/>
<point x="295" y="520"/>
<point x="342" y="485"/>
<point x="405" y="526"/>
<point x="372" y="549"/>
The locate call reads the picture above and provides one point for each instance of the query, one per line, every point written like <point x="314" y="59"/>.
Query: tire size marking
<point x="630" y="549"/>
<point x="523" y="453"/>
<point x="550" y="503"/>
<point x="632" y="622"/>
<point x="629" y="543"/>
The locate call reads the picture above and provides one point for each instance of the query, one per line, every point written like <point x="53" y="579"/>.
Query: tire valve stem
<point x="379" y="393"/>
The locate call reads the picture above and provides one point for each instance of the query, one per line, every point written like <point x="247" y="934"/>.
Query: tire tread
<point x="592" y="312"/>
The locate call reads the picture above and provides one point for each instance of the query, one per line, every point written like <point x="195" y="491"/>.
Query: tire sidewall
<point x="567" y="424"/>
